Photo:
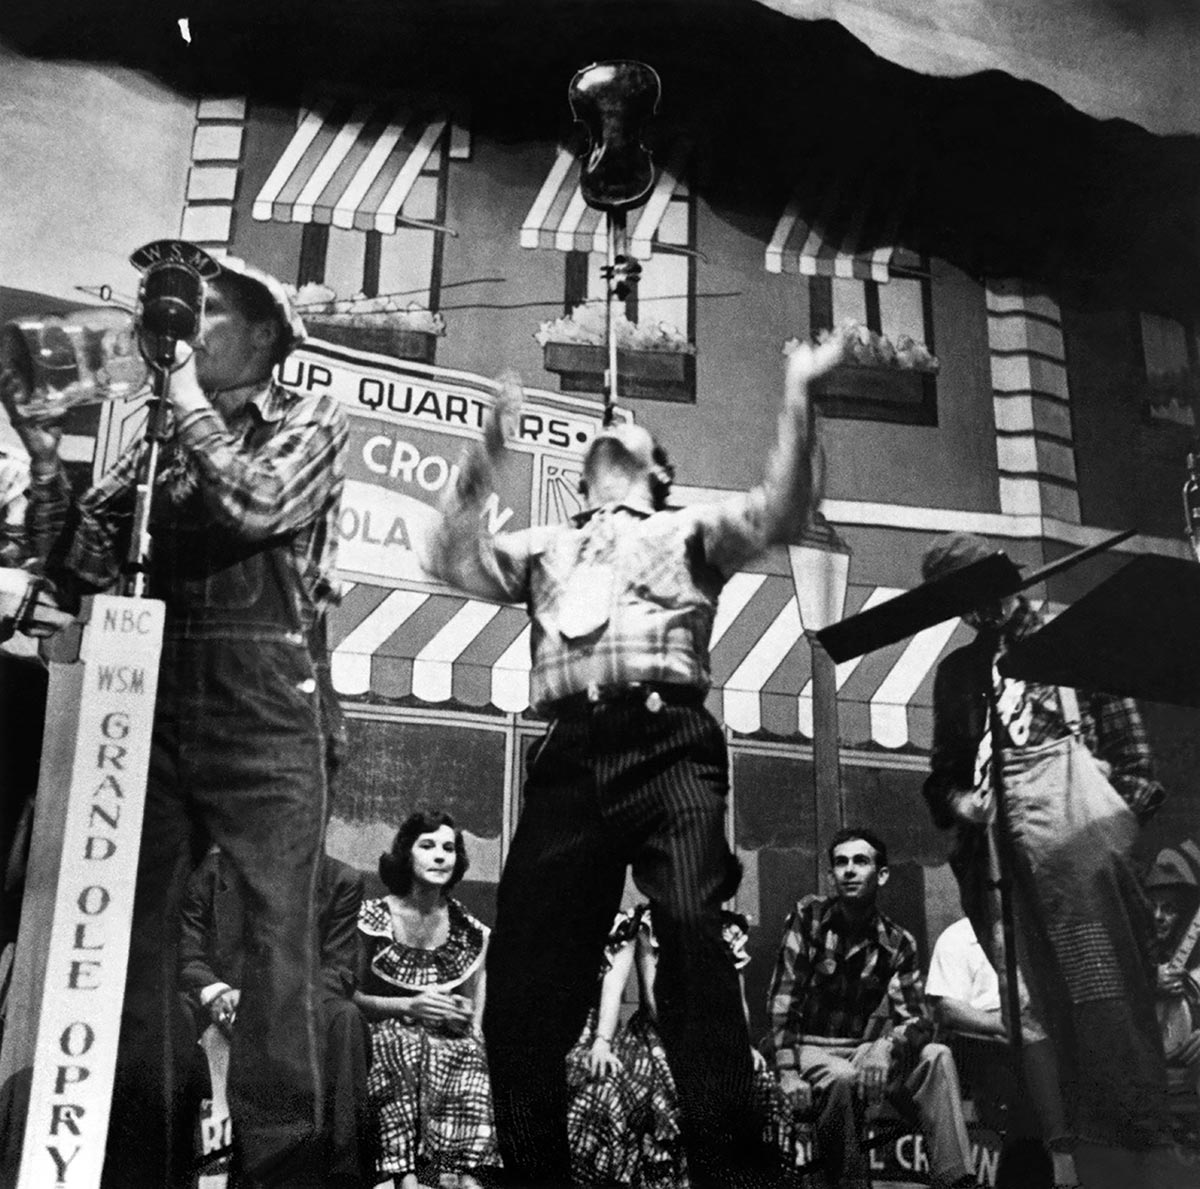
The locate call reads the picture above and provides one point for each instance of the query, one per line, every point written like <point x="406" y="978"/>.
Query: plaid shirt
<point x="14" y="483"/>
<point x="833" y="985"/>
<point x="621" y="593"/>
<point x="275" y="469"/>
<point x="1111" y="728"/>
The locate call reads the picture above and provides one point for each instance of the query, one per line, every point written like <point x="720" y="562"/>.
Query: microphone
<point x="170" y="301"/>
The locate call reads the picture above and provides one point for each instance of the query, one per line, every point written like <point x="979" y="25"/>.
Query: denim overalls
<point x="238" y="758"/>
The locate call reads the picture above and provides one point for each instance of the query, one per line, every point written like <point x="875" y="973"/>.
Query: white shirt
<point x="959" y="969"/>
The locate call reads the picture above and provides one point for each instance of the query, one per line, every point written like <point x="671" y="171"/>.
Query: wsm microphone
<point x="170" y="302"/>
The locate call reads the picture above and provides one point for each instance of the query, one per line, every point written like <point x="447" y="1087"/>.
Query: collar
<point x="635" y="507"/>
<point x="263" y="401"/>
<point x="871" y="923"/>
<point x="876" y="929"/>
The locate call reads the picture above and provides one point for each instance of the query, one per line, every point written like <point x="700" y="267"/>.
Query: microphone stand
<point x="621" y="275"/>
<point x="1000" y="882"/>
<point x="137" y="561"/>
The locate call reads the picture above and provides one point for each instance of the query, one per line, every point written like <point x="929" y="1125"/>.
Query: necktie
<point x="584" y="608"/>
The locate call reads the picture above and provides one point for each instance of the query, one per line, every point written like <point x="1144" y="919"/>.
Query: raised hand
<point x="503" y="422"/>
<point x="807" y="362"/>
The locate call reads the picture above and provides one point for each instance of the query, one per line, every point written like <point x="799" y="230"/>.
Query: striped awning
<point x="441" y="648"/>
<point x="850" y="228"/>
<point x="561" y="219"/>
<point x="351" y="165"/>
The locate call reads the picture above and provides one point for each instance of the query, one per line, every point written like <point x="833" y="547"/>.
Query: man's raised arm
<point x="778" y="508"/>
<point x="460" y="551"/>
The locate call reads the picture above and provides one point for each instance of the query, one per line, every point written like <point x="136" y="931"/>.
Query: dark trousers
<point x="347" y="1057"/>
<point x="620" y="786"/>
<point x="237" y="758"/>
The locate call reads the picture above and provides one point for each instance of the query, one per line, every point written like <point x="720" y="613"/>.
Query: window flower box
<point x="877" y="394"/>
<point x="377" y="324"/>
<point x="654" y="359"/>
<point x="400" y="342"/>
<point x="646" y="375"/>
<point x="879" y="380"/>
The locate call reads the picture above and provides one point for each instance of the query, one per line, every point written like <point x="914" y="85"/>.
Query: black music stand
<point x="1136" y="635"/>
<point x="963" y="590"/>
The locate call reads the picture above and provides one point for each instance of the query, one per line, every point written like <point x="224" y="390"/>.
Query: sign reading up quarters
<point x="90" y="802"/>
<point x="409" y="423"/>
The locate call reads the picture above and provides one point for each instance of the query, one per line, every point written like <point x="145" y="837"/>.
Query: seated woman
<point x="428" y="1093"/>
<point x="624" y="1116"/>
<point x="605" y="1116"/>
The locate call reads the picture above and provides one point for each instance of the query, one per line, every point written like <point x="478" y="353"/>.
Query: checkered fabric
<point x="831" y="984"/>
<point x="14" y="481"/>
<point x="430" y="1101"/>
<point x="276" y="468"/>
<point x="1087" y="960"/>
<point x="428" y="1091"/>
<point x="626" y="1127"/>
<point x="621" y="594"/>
<point x="602" y="1119"/>
<point x="663" y="1163"/>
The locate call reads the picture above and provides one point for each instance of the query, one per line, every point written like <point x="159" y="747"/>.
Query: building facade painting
<point x="1021" y="442"/>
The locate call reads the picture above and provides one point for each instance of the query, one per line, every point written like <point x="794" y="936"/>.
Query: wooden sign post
<point x="64" y="1010"/>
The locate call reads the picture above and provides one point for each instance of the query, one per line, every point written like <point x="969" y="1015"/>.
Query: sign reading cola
<point x="408" y="425"/>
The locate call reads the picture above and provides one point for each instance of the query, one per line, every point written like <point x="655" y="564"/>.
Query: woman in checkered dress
<point x="428" y="1092"/>
<point x="604" y="1116"/>
<point x="623" y="1120"/>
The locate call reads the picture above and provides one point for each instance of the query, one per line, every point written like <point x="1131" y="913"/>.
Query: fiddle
<point x="614" y="101"/>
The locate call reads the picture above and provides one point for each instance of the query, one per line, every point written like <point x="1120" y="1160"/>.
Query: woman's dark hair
<point x="395" y="867"/>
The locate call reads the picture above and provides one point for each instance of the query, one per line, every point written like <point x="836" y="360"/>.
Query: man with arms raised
<point x="632" y="771"/>
<point x="243" y="546"/>
<point x="847" y="1021"/>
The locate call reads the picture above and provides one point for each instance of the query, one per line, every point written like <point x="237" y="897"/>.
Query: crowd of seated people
<point x="404" y="976"/>
<point x="408" y="1101"/>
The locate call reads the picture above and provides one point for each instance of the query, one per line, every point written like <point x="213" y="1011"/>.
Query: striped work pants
<point x="619" y="786"/>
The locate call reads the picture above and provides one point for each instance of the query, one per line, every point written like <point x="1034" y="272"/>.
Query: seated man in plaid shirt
<point x="847" y="1018"/>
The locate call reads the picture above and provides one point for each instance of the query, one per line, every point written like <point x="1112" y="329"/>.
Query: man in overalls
<point x="1078" y="780"/>
<point x="243" y="524"/>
